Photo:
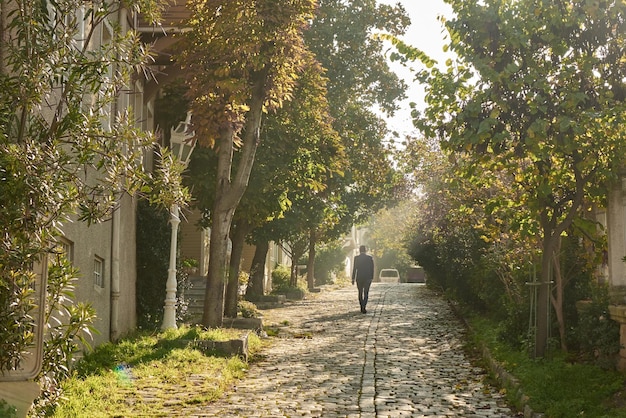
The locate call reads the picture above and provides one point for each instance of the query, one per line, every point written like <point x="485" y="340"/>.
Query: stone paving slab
<point x="403" y="358"/>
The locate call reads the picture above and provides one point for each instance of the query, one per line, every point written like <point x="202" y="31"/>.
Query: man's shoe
<point x="363" y="310"/>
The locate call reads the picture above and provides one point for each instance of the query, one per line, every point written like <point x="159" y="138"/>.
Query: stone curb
<point x="505" y="379"/>
<point x="254" y="324"/>
<point x="237" y="347"/>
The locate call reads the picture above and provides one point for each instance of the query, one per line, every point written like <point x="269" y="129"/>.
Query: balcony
<point x="161" y="37"/>
<point x="174" y="16"/>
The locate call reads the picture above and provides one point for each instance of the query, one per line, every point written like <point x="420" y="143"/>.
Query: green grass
<point x="556" y="386"/>
<point x="151" y="374"/>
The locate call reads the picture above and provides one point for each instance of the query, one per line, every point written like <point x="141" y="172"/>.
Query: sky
<point x="427" y="34"/>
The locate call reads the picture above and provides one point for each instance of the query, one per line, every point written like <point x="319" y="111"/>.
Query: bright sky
<point x="427" y="34"/>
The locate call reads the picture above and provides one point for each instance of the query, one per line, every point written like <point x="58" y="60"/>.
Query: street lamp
<point x="182" y="145"/>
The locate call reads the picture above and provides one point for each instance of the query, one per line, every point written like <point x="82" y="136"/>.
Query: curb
<point x="238" y="346"/>
<point x="505" y="379"/>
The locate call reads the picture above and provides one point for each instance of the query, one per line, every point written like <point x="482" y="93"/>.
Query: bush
<point x="247" y="309"/>
<point x="244" y="278"/>
<point x="280" y="279"/>
<point x="69" y="330"/>
<point x="281" y="284"/>
<point x="184" y="268"/>
<point x="554" y="386"/>
<point x="597" y="335"/>
<point x="515" y="329"/>
<point x="6" y="410"/>
<point x="329" y="261"/>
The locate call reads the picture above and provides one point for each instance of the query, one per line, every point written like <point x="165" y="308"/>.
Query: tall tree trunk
<point x="543" y="294"/>
<point x="213" y="315"/>
<point x="541" y="332"/>
<point x="228" y="193"/>
<point x="238" y="238"/>
<point x="257" y="272"/>
<point x="552" y="229"/>
<point x="310" y="267"/>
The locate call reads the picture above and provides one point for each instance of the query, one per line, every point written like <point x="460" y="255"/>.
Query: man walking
<point x="363" y="274"/>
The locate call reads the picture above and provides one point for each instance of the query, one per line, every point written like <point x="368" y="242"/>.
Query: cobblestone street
<point x="403" y="358"/>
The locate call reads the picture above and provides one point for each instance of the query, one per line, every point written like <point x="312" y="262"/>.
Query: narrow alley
<point x="404" y="358"/>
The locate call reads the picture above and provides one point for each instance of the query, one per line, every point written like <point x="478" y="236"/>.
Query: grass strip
<point x="151" y="374"/>
<point x="556" y="386"/>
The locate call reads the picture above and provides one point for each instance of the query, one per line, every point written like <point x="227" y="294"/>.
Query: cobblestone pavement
<point x="403" y="358"/>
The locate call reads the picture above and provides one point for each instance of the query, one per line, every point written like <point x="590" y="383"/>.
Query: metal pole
<point x="532" y="319"/>
<point x="169" y="310"/>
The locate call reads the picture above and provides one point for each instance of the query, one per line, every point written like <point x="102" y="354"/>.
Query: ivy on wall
<point x="153" y="246"/>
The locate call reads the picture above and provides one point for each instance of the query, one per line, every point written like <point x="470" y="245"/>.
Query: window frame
<point x="98" y="272"/>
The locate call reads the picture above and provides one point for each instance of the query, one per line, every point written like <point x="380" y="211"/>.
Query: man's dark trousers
<point x="364" y="290"/>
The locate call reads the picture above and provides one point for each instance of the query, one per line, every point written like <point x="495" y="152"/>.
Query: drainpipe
<point x="114" y="331"/>
<point x="3" y="19"/>
<point x="115" y="275"/>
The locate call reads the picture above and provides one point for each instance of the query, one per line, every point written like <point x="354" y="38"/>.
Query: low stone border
<point x="505" y="379"/>
<point x="237" y="347"/>
<point x="295" y="294"/>
<point x="508" y="381"/>
<point x="254" y="324"/>
<point x="268" y="301"/>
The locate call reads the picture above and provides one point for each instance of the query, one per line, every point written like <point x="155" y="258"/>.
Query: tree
<point x="301" y="153"/>
<point x="358" y="72"/>
<point x="65" y="150"/>
<point x="241" y="61"/>
<point x="298" y="152"/>
<point x="465" y="244"/>
<point x="537" y="93"/>
<point x="359" y="82"/>
<point x="387" y="231"/>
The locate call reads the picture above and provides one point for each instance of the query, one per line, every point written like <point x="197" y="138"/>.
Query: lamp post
<point x="182" y="145"/>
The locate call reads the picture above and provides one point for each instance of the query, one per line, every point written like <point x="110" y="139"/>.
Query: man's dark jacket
<point x="363" y="269"/>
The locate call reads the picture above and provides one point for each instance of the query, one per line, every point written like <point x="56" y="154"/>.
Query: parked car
<point x="415" y="274"/>
<point x="389" y="276"/>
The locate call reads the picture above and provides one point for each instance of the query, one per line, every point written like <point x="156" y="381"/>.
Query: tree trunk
<point x="213" y="315"/>
<point x="257" y="272"/>
<point x="552" y="230"/>
<point x="228" y="192"/>
<point x="293" y="278"/>
<point x="557" y="299"/>
<point x="238" y="238"/>
<point x="310" y="267"/>
<point x="543" y="295"/>
<point x="297" y="249"/>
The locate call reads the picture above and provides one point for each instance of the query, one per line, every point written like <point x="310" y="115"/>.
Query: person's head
<point x="362" y="249"/>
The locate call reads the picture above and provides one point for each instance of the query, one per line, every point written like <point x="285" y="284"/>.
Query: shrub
<point x="6" y="410"/>
<point x="596" y="334"/>
<point x="329" y="261"/>
<point x="244" y="278"/>
<point x="69" y="325"/>
<point x="247" y="309"/>
<point x="184" y="268"/>
<point x="280" y="278"/>
<point x="515" y="330"/>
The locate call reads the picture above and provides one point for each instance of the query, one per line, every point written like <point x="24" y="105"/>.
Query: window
<point x="98" y="272"/>
<point x="67" y="23"/>
<point x="106" y="37"/>
<point x="100" y="96"/>
<point x="65" y="247"/>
